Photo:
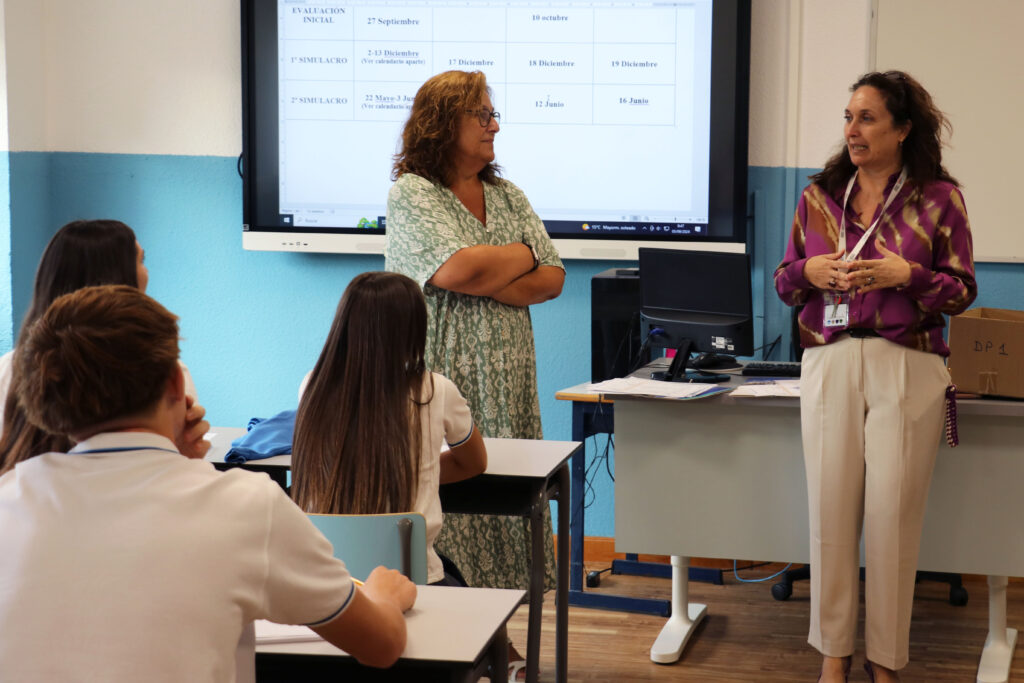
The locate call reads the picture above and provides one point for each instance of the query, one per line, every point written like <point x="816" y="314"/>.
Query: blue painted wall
<point x="253" y="322"/>
<point x="31" y="226"/>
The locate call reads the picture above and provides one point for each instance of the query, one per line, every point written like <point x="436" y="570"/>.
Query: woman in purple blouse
<point x="879" y="251"/>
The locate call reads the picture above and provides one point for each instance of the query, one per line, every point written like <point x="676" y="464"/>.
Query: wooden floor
<point x="748" y="636"/>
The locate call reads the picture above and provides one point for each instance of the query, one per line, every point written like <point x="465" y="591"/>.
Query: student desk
<point x="522" y="476"/>
<point x="454" y="634"/>
<point x="723" y="477"/>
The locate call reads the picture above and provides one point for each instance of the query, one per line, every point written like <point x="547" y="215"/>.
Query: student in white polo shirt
<point x="124" y="559"/>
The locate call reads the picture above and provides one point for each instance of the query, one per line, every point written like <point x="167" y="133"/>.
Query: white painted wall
<point x="971" y="67"/>
<point x="804" y="55"/>
<point x="125" y="76"/>
<point x="25" y="74"/>
<point x="835" y="47"/>
<point x="158" y="77"/>
<point x="3" y="83"/>
<point x="770" y="49"/>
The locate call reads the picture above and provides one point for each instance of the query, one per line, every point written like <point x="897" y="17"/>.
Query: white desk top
<point x="984" y="405"/>
<point x="534" y="458"/>
<point x="446" y="624"/>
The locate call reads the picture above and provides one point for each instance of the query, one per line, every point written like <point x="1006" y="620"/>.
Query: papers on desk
<point x="637" y="386"/>
<point x="761" y="388"/>
<point x="269" y="632"/>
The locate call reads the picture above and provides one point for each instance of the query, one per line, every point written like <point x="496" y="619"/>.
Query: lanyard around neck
<point x="851" y="255"/>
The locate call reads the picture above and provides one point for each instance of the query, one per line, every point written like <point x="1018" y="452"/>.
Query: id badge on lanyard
<point x="837" y="311"/>
<point x="837" y="307"/>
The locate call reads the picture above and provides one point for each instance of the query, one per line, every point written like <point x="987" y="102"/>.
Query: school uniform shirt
<point x="445" y="419"/>
<point x="6" y="369"/>
<point x="142" y="565"/>
<point x="927" y="226"/>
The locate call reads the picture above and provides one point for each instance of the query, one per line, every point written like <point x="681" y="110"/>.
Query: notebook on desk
<point x="271" y="632"/>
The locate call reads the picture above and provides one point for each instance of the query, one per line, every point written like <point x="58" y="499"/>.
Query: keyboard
<point x="759" y="368"/>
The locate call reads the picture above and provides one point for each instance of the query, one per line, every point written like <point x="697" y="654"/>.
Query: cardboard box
<point x="987" y="351"/>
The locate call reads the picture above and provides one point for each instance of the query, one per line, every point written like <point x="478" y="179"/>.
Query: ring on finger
<point x="871" y="279"/>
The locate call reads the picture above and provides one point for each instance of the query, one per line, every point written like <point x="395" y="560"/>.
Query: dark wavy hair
<point x="357" y="442"/>
<point x="907" y="101"/>
<point x="81" y="254"/>
<point x="431" y="133"/>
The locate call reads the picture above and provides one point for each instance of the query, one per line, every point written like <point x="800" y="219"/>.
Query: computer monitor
<point x="694" y="301"/>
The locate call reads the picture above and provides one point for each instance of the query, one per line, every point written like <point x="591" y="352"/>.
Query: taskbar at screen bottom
<point x="625" y="229"/>
<point x="571" y="229"/>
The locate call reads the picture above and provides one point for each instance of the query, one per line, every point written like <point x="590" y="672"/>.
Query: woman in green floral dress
<point x="482" y="256"/>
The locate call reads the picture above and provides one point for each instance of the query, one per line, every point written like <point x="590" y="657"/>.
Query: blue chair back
<point x="363" y="542"/>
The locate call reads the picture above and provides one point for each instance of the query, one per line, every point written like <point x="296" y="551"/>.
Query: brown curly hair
<point x="907" y="101"/>
<point x="431" y="133"/>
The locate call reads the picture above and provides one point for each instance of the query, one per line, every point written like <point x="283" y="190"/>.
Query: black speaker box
<point x="615" y="323"/>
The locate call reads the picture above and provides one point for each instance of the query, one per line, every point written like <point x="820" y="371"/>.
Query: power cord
<point x="639" y="360"/>
<point x="627" y="337"/>
<point x="600" y="454"/>
<point x="735" y="573"/>
<point x="770" y="346"/>
<point x="609" y="448"/>
<point x="589" y="496"/>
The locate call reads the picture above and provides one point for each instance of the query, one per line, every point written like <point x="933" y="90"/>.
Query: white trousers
<point x="872" y="415"/>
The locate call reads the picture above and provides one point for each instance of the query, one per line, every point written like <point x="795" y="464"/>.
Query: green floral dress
<point x="484" y="346"/>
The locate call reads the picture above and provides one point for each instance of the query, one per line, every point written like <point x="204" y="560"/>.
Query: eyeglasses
<point x="484" y="115"/>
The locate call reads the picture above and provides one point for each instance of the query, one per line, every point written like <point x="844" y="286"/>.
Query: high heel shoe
<point x="847" y="665"/>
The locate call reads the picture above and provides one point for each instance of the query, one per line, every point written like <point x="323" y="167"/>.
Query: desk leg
<point x="583" y="420"/>
<point x="536" y="592"/>
<point x="685" y="616"/>
<point x="562" y="590"/>
<point x="499" y="655"/>
<point x="574" y="501"/>
<point x="998" y="651"/>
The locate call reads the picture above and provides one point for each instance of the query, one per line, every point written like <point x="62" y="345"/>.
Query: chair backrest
<point x="397" y="541"/>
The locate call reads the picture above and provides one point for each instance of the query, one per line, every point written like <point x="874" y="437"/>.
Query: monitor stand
<point x="677" y="369"/>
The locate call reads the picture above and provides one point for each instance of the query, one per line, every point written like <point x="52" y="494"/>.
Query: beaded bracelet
<point x="952" y="437"/>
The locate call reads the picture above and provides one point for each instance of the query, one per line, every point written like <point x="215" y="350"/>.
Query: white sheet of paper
<point x="637" y="386"/>
<point x="270" y="632"/>
<point x="779" y="387"/>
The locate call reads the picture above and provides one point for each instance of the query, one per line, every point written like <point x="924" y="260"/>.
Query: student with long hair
<point x="81" y="254"/>
<point x="372" y="419"/>
<point x="148" y="565"/>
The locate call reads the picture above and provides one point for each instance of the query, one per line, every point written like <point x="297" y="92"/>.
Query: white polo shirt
<point x="125" y="561"/>
<point x="445" y="419"/>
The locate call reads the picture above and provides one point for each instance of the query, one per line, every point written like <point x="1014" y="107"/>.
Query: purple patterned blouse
<point x="929" y="229"/>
